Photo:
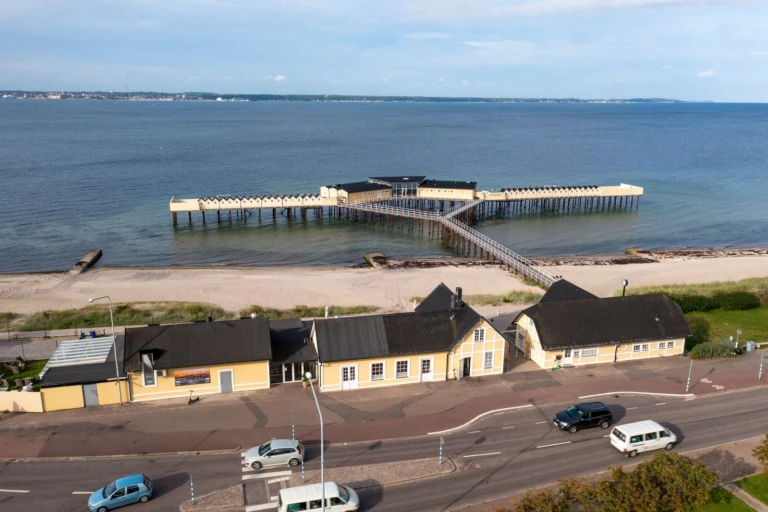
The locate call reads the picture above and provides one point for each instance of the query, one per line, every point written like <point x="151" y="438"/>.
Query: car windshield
<point x="263" y="449"/>
<point x="108" y="490"/>
<point x="343" y="494"/>
<point x="573" y="412"/>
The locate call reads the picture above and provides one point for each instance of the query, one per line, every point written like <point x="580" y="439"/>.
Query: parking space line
<point x="265" y="506"/>
<point x="556" y="444"/>
<point x="248" y="469"/>
<point x="82" y="492"/>
<point x="481" y="455"/>
<point x="275" y="480"/>
<point x="16" y="490"/>
<point x="474" y="432"/>
<point x="267" y="475"/>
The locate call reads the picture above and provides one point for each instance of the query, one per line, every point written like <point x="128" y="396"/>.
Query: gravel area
<point x="219" y="500"/>
<point x="372" y="475"/>
<point x="10" y="350"/>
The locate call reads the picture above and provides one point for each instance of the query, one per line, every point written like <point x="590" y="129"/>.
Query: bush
<point x="712" y="350"/>
<point x="694" y="303"/>
<point x="736" y="301"/>
<point x="761" y="453"/>
<point x="700" y="332"/>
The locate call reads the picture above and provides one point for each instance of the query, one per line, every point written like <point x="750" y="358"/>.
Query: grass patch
<point x="722" y="324"/>
<point x="306" y="311"/>
<point x="721" y="500"/>
<point x="756" y="285"/>
<point x="31" y="371"/>
<point x="756" y="485"/>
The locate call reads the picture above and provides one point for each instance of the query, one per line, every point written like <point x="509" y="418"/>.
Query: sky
<point x="684" y="49"/>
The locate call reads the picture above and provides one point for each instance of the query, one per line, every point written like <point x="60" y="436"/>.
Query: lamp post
<point x="322" y="438"/>
<point x="114" y="345"/>
<point x="624" y="283"/>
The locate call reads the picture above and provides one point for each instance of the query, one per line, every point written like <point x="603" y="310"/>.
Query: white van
<point x="643" y="436"/>
<point x="338" y="498"/>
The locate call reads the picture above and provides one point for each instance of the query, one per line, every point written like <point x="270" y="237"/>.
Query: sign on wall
<point x="192" y="377"/>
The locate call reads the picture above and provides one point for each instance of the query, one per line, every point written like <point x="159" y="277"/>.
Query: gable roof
<point x="360" y="186"/>
<point x="198" y="344"/>
<point x="561" y="290"/>
<point x="438" y="299"/>
<point x="86" y="373"/>
<point x="464" y="185"/>
<point x="288" y="340"/>
<point x="348" y="338"/>
<point x="608" y="321"/>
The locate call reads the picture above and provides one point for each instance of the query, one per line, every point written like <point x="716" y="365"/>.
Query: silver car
<point x="278" y="452"/>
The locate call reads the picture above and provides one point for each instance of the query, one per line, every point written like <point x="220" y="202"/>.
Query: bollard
<point x="191" y="487"/>
<point x="688" y="383"/>
<point x="440" y="456"/>
<point x="293" y="427"/>
<point x="760" y="372"/>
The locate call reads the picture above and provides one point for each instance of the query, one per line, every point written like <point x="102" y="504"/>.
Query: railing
<point x="392" y="210"/>
<point x="462" y="208"/>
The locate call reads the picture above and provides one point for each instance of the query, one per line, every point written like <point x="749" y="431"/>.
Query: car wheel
<point x="103" y="509"/>
<point x="573" y="429"/>
<point x="605" y="424"/>
<point x="632" y="454"/>
<point x="256" y="465"/>
<point x="293" y="462"/>
<point x="144" y="499"/>
<point x="669" y="446"/>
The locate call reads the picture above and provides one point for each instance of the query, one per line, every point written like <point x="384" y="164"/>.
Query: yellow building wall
<point x="370" y="195"/>
<point x="446" y="193"/>
<point x="108" y="392"/>
<point x="21" y="401"/>
<point x="65" y="397"/>
<point x="331" y="372"/>
<point x="246" y="376"/>
<point x="493" y="342"/>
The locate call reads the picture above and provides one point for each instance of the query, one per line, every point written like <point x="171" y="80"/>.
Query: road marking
<point x="275" y="480"/>
<point x="495" y="411"/>
<point x="556" y="444"/>
<point x="265" y="506"/>
<point x="15" y="490"/>
<point x="609" y="435"/>
<point x="273" y="498"/>
<point x="267" y="475"/>
<point x="630" y="408"/>
<point x="481" y="455"/>
<point x="246" y="470"/>
<point x="662" y="403"/>
<point x="505" y="428"/>
<point x="474" y="432"/>
<point x="243" y="454"/>
<point x="82" y="492"/>
<point x="689" y="399"/>
<point x="636" y="393"/>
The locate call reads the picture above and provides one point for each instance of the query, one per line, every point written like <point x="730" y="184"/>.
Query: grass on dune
<point x="756" y="285"/>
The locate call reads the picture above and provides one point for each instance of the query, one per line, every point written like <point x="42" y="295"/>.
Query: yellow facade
<point x="368" y="196"/>
<point x="591" y="355"/>
<point x="460" y="194"/>
<point x="108" y="392"/>
<point x="64" y="397"/>
<point x="21" y="401"/>
<point x="245" y="377"/>
<point x="481" y="340"/>
<point x="331" y="373"/>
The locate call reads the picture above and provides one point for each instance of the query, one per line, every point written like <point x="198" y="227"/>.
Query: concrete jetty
<point x="86" y="262"/>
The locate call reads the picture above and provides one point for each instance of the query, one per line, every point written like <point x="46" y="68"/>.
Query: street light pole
<point x="322" y="438"/>
<point x="624" y="290"/>
<point x="114" y="345"/>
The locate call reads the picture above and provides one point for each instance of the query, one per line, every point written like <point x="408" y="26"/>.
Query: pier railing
<point x="396" y="211"/>
<point x="459" y="208"/>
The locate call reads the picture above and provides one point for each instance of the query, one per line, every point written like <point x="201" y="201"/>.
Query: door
<point x="118" y="498"/>
<point x="427" y="371"/>
<point x="225" y="381"/>
<point x="348" y="377"/>
<point x="90" y="395"/>
<point x="132" y="494"/>
<point x="466" y="367"/>
<point x="567" y="356"/>
<point x="652" y="441"/>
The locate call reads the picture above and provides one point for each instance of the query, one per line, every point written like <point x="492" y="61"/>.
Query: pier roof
<point x="398" y="179"/>
<point x="360" y="186"/>
<point x="464" y="185"/>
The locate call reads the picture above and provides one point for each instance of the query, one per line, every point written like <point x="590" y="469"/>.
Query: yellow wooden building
<point x="448" y="190"/>
<point x="358" y="192"/>
<point x="572" y="327"/>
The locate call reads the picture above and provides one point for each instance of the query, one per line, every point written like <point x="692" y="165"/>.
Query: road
<point x="498" y="456"/>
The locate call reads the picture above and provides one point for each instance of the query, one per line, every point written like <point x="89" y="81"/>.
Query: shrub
<point x="700" y="332"/>
<point x="694" y="303"/>
<point x="712" y="350"/>
<point x="761" y="453"/>
<point x="736" y="301"/>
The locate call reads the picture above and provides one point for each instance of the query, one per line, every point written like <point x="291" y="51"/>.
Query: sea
<point x="77" y="175"/>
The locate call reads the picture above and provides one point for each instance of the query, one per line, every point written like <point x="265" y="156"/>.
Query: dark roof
<point x="421" y="333"/>
<point x="289" y="341"/>
<point x="360" y="186"/>
<point x="437" y="300"/>
<point x="398" y="179"/>
<point x="198" y="344"/>
<point x="85" y="373"/>
<point x="609" y="321"/>
<point x="561" y="290"/>
<point x="357" y="337"/>
<point x="467" y="185"/>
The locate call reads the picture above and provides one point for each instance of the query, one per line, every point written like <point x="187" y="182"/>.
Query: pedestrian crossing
<point x="263" y="486"/>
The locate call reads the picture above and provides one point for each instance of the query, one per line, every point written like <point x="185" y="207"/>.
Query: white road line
<point x="609" y="435"/>
<point x="275" y="480"/>
<point x="556" y="444"/>
<point x="16" y="490"/>
<point x="82" y="492"/>
<point x="630" y="408"/>
<point x="689" y="399"/>
<point x="243" y="454"/>
<point x="267" y="475"/>
<point x="474" y="432"/>
<point x="265" y="506"/>
<point x="273" y="498"/>
<point x="540" y="422"/>
<point x="662" y="403"/>
<point x="481" y="455"/>
<point x="505" y="428"/>
<point x="495" y="411"/>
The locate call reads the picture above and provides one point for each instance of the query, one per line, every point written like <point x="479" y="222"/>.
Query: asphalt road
<point x="497" y="456"/>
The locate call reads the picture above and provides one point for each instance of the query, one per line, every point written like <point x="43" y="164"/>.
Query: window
<point x="520" y="340"/>
<point x="576" y="353"/>
<point x="636" y="439"/>
<point x="132" y="489"/>
<point x="488" y="363"/>
<point x="619" y="434"/>
<point x="590" y="352"/>
<point x="119" y="493"/>
<point x="315" y="504"/>
<point x="377" y="371"/>
<point x="664" y="434"/>
<point x="337" y="501"/>
<point x="479" y="335"/>
<point x="148" y="370"/>
<point x="670" y="344"/>
<point x="650" y="437"/>
<point x="297" y="507"/>
<point x="635" y="348"/>
<point x="401" y="368"/>
<point x="645" y="347"/>
<point x="661" y="346"/>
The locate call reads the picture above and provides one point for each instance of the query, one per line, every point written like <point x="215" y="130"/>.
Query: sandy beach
<point x="283" y="287"/>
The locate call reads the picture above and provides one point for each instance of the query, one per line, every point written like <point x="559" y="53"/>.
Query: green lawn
<point x="757" y="486"/>
<point x="721" y="500"/>
<point x="752" y="322"/>
<point x="33" y="368"/>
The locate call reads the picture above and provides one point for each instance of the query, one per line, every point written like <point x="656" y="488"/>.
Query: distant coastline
<point x="329" y="98"/>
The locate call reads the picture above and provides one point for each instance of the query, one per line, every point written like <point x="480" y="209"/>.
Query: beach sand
<point x="283" y="287"/>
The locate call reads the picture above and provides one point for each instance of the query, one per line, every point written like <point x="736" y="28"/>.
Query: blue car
<point x="121" y="492"/>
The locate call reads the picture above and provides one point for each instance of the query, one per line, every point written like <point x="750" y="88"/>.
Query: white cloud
<point x="758" y="54"/>
<point x="706" y="74"/>
<point x="465" y="83"/>
<point x="424" y="36"/>
<point x="441" y="80"/>
<point x="194" y="79"/>
<point x="668" y="66"/>
<point x="279" y="78"/>
<point x="385" y="79"/>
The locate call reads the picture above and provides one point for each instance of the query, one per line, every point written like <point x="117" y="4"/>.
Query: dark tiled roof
<point x="609" y="321"/>
<point x="422" y="333"/>
<point x="360" y="186"/>
<point x="465" y="185"/>
<point x="199" y="344"/>
<point x="289" y="338"/>
<point x="398" y="179"/>
<point x="559" y="291"/>
<point x="344" y="339"/>
<point x="437" y="300"/>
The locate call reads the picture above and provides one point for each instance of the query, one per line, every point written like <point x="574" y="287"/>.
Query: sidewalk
<point x="226" y="422"/>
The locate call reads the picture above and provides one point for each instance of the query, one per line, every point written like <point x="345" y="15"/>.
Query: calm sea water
<point x="78" y="175"/>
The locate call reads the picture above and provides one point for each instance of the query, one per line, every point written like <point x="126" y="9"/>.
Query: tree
<point x="548" y="500"/>
<point x="761" y="453"/>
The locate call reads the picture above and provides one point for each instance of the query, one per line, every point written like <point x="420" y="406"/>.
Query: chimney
<point x="458" y="296"/>
<point x="453" y="301"/>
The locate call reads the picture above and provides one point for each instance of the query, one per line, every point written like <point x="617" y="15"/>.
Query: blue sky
<point x="686" y="49"/>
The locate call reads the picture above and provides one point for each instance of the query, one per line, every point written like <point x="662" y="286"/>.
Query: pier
<point x="445" y="210"/>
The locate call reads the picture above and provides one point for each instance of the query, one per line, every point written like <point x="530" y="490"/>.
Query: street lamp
<point x="322" y="437"/>
<point x="114" y="345"/>
<point x="624" y="284"/>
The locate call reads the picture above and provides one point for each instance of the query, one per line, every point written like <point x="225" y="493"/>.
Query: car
<point x="121" y="492"/>
<point x="277" y="452"/>
<point x="641" y="436"/>
<point x="577" y="417"/>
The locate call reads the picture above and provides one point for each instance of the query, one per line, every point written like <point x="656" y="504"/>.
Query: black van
<point x="580" y="416"/>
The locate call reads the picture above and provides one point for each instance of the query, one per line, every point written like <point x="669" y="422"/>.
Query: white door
<point x="567" y="356"/>
<point x="427" y="370"/>
<point x="348" y="377"/>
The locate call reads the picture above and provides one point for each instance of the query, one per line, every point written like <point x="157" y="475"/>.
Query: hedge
<point x="728" y="301"/>
<point x="712" y="350"/>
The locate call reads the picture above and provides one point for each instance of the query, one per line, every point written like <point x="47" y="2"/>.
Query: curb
<point x="398" y="482"/>
<point x="121" y="456"/>
<point x="495" y="411"/>
<point x="673" y="395"/>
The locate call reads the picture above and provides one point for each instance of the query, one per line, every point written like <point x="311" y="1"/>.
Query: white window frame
<point x="144" y="381"/>
<point x="576" y="354"/>
<point x="486" y="366"/>
<point x="407" y="369"/>
<point x="589" y="352"/>
<point x="383" y="370"/>
<point x="520" y="340"/>
<point x="479" y="335"/>
<point x="670" y="344"/>
<point x="645" y="347"/>
<point x="662" y="345"/>
<point x="635" y="348"/>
